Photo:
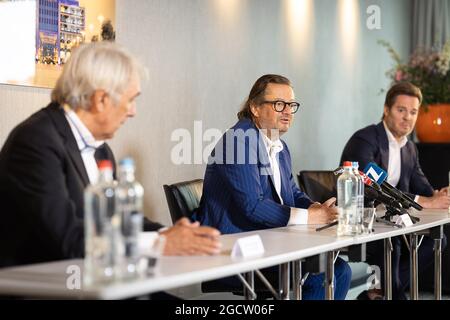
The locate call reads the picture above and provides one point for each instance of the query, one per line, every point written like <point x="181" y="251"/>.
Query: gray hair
<point x="94" y="66"/>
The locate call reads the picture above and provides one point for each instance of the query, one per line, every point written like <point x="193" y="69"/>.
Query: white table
<point x="282" y="246"/>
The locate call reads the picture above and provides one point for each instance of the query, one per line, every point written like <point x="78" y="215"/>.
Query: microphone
<point x="409" y="201"/>
<point x="372" y="193"/>
<point x="369" y="182"/>
<point x="393" y="206"/>
<point x="379" y="175"/>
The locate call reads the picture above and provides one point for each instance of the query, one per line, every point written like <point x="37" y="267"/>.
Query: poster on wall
<point x="38" y="36"/>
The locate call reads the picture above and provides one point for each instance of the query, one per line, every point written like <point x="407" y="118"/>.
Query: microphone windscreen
<point x="375" y="172"/>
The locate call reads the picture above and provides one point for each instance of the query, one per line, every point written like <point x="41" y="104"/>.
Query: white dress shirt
<point x="297" y="215"/>
<point x="395" y="159"/>
<point x="86" y="143"/>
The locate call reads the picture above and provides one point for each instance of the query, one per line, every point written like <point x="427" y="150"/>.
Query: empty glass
<point x="367" y="220"/>
<point x="150" y="257"/>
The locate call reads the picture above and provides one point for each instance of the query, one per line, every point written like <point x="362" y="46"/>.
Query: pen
<point x="327" y="226"/>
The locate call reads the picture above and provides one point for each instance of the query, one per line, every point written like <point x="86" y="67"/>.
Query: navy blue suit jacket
<point x="371" y="144"/>
<point x="238" y="192"/>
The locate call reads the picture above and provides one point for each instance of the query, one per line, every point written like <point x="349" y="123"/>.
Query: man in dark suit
<point x="387" y="145"/>
<point x="49" y="159"/>
<point x="248" y="183"/>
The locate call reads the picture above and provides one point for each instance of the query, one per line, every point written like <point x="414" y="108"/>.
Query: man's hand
<point x="439" y="200"/>
<point x="187" y="223"/>
<point x="186" y="238"/>
<point x="444" y="190"/>
<point x="322" y="213"/>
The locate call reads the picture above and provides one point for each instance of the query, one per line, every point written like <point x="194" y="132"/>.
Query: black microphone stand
<point x="386" y="219"/>
<point x="392" y="211"/>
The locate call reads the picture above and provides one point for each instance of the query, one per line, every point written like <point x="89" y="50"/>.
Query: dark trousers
<point x="313" y="288"/>
<point x="401" y="262"/>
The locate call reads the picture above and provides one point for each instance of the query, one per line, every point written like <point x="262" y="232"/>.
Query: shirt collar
<point x="276" y="145"/>
<point x="85" y="139"/>
<point x="392" y="139"/>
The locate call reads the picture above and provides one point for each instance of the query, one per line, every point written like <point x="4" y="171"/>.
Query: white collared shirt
<point x="395" y="160"/>
<point x="273" y="148"/>
<point x="297" y="215"/>
<point x="87" y="146"/>
<point x="86" y="143"/>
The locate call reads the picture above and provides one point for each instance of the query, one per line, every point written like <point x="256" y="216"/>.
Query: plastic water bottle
<point x="130" y="194"/>
<point x="359" y="196"/>
<point x="103" y="243"/>
<point x="347" y="192"/>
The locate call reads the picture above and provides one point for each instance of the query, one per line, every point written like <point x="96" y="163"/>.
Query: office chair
<point x="318" y="185"/>
<point x="183" y="198"/>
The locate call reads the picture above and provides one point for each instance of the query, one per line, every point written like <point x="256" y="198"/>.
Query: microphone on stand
<point x="393" y="206"/>
<point x="379" y="175"/>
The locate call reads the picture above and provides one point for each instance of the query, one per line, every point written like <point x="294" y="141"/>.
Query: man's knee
<point x="342" y="270"/>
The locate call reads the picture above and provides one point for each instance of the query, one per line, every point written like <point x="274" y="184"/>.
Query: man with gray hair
<point x="49" y="159"/>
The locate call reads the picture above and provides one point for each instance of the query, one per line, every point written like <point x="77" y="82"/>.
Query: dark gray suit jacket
<point x="42" y="180"/>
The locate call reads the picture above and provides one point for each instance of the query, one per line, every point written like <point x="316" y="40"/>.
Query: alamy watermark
<point x="73" y="280"/>
<point x="373" y="281"/>
<point x="235" y="146"/>
<point x="373" y="21"/>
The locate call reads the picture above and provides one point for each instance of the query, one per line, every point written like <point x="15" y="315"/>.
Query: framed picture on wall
<point x="38" y="36"/>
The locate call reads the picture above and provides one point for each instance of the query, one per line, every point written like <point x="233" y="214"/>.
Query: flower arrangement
<point x="428" y="69"/>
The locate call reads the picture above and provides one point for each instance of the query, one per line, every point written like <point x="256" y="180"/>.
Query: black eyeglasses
<point x="279" y="105"/>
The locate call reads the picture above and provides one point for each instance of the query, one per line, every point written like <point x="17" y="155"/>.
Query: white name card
<point x="246" y="247"/>
<point x="404" y="220"/>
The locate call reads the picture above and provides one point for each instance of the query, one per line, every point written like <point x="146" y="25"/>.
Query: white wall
<point x="17" y="103"/>
<point x="203" y="57"/>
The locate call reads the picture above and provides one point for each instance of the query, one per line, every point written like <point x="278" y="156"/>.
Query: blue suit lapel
<point x="265" y="169"/>
<point x="264" y="166"/>
<point x="263" y="157"/>
<point x="384" y="146"/>
<point x="285" y="174"/>
<point x="407" y="162"/>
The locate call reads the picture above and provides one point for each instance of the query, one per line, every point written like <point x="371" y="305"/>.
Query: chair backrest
<point x="318" y="185"/>
<point x="183" y="198"/>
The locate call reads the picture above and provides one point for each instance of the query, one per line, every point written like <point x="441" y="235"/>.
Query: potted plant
<point x="428" y="69"/>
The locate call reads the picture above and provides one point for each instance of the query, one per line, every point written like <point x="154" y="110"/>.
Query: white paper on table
<point x="246" y="247"/>
<point x="404" y="220"/>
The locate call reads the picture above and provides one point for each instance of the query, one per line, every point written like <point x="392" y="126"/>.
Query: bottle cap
<point x="347" y="164"/>
<point x="126" y="162"/>
<point x="104" y="164"/>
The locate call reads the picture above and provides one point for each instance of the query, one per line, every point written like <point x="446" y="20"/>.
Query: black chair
<point x="318" y="185"/>
<point x="183" y="198"/>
